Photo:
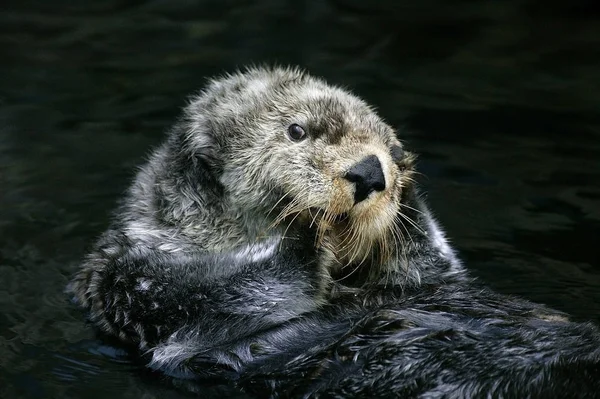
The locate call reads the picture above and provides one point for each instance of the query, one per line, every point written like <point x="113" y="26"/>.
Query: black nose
<point x="368" y="176"/>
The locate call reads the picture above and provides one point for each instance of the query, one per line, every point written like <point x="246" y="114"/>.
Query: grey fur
<point x="196" y="272"/>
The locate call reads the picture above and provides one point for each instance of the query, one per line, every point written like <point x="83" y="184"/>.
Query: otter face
<point x="292" y="147"/>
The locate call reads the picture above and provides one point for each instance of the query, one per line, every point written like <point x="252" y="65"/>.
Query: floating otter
<point x="277" y="239"/>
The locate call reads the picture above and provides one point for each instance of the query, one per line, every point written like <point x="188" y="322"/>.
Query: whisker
<point x="398" y="245"/>
<point x="416" y="172"/>
<point x="404" y="254"/>
<point x="315" y="217"/>
<point x="289" y="209"/>
<point x="407" y="231"/>
<point x="349" y="238"/>
<point x="289" y="224"/>
<point x="349" y="274"/>
<point x="409" y="220"/>
<point x="356" y="243"/>
<point x="277" y="203"/>
<point x="412" y="209"/>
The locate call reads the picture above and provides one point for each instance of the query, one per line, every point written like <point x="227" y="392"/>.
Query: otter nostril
<point x="367" y="175"/>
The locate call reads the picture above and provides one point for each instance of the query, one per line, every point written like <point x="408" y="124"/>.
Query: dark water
<point x="501" y="100"/>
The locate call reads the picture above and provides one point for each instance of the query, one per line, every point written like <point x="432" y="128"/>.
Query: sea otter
<point x="278" y="239"/>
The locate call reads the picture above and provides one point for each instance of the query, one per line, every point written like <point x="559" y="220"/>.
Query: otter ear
<point x="409" y="160"/>
<point x="402" y="158"/>
<point x="194" y="153"/>
<point x="196" y="137"/>
<point x="397" y="153"/>
<point x="202" y="148"/>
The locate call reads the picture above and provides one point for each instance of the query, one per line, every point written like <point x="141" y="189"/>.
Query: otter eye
<point x="296" y="132"/>
<point x="397" y="153"/>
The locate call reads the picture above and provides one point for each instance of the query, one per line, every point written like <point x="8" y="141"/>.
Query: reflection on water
<point x="499" y="98"/>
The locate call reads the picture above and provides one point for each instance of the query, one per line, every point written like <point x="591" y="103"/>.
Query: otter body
<point x="277" y="240"/>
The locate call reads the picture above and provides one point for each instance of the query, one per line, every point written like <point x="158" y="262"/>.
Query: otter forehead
<point x="282" y="96"/>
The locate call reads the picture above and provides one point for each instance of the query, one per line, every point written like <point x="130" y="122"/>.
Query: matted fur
<point x="241" y="254"/>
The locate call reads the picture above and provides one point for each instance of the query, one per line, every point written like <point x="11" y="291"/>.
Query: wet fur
<point x="226" y="259"/>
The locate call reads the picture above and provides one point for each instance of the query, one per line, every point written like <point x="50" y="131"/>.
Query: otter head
<point x="289" y="148"/>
